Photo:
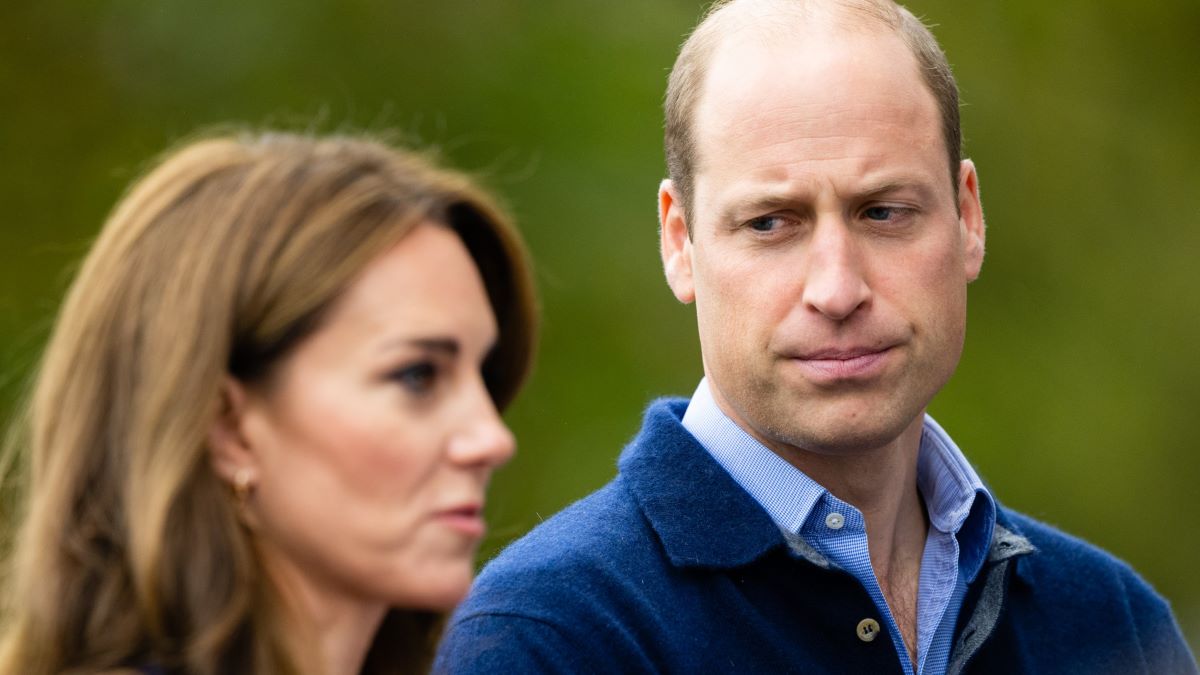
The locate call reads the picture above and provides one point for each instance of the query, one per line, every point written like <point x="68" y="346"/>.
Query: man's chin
<point x="849" y="433"/>
<point x="844" y="443"/>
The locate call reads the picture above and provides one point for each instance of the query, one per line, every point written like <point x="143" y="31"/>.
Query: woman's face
<point x="373" y="445"/>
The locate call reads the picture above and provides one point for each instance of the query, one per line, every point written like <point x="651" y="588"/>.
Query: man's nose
<point x="483" y="439"/>
<point x="834" y="282"/>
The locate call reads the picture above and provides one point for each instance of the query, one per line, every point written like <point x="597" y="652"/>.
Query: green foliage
<point x="1081" y="371"/>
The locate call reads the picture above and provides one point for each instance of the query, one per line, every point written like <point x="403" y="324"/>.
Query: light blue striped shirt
<point x="955" y="547"/>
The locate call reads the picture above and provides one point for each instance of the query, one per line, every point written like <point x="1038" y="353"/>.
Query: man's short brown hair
<point x="684" y="87"/>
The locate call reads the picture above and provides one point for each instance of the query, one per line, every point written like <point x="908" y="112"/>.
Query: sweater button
<point x="868" y="630"/>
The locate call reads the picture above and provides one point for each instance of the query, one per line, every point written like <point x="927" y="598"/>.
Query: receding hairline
<point x="776" y="21"/>
<point x="859" y="16"/>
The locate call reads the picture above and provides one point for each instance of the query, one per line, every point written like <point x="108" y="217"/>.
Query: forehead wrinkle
<point x="748" y="106"/>
<point x="770" y="148"/>
<point x="847" y="155"/>
<point x="750" y="102"/>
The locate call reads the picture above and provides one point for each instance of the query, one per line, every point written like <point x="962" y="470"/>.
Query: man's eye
<point x="765" y="224"/>
<point x="879" y="213"/>
<point x="417" y="378"/>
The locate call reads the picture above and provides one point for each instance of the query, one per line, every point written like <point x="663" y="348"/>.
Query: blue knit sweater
<point x="673" y="568"/>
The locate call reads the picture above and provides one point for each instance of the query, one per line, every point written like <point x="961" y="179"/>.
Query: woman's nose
<point x="484" y="438"/>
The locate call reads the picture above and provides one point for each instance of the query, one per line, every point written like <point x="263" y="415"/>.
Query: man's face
<point x="828" y="259"/>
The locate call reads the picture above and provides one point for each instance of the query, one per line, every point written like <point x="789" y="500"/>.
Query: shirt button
<point x="867" y="630"/>
<point x="834" y="521"/>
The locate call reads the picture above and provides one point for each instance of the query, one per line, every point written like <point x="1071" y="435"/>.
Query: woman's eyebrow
<point x="446" y="345"/>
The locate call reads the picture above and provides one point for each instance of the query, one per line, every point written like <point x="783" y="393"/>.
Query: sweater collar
<point x="701" y="515"/>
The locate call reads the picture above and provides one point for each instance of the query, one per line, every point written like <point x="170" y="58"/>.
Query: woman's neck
<point x="345" y="638"/>
<point x="332" y="621"/>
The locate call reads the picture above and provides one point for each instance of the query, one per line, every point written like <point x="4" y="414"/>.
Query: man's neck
<point x="882" y="484"/>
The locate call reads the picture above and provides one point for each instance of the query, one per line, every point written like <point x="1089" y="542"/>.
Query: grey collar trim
<point x="805" y="550"/>
<point x="1007" y="544"/>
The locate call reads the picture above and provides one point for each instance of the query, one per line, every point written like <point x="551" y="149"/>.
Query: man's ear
<point x="676" y="243"/>
<point x="970" y="218"/>
<point x="230" y="451"/>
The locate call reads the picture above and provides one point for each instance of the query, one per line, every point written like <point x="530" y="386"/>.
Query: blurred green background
<point x="1081" y="377"/>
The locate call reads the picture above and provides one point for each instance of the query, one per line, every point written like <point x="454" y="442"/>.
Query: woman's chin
<point x="438" y="594"/>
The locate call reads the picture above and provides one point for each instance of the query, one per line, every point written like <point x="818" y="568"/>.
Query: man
<point x="802" y="513"/>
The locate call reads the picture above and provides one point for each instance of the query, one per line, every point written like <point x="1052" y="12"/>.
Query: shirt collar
<point x="956" y="499"/>
<point x="785" y="492"/>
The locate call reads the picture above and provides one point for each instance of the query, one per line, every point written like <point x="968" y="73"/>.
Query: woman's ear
<point x="230" y="452"/>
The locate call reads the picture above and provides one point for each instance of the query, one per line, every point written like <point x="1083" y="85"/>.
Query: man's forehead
<point x="822" y="72"/>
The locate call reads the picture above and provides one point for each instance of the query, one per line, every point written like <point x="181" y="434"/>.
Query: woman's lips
<point x="467" y="520"/>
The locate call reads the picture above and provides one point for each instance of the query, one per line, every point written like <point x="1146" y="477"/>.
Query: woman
<point x="260" y="435"/>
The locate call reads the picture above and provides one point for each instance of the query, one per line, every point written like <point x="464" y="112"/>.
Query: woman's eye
<point x="418" y="378"/>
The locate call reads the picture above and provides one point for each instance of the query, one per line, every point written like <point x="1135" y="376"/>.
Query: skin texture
<point x="372" y="447"/>
<point x="829" y="262"/>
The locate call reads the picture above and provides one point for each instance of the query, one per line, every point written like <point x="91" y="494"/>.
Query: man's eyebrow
<point x="922" y="190"/>
<point x="758" y="204"/>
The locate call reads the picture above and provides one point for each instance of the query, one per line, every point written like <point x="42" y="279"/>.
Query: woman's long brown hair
<point x="218" y="261"/>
